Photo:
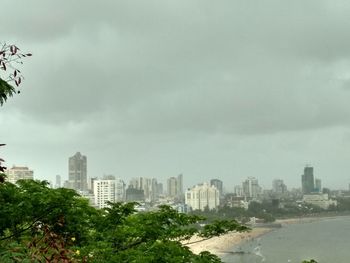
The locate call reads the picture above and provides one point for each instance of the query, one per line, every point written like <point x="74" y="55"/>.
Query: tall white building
<point x="108" y="190"/>
<point x="18" y="173"/>
<point x="251" y="188"/>
<point x="201" y="197"/>
<point x="238" y="190"/>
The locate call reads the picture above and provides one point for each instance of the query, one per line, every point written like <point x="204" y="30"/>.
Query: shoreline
<point x="223" y="244"/>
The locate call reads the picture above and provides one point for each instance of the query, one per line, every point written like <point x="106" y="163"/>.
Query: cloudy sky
<point x="211" y="89"/>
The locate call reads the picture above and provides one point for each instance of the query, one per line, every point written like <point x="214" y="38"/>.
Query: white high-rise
<point x="201" y="197"/>
<point x="108" y="190"/>
<point x="18" y="173"/>
<point x="251" y="188"/>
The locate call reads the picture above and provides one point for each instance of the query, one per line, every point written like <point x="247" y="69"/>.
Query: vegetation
<point x="10" y="57"/>
<point x="39" y="224"/>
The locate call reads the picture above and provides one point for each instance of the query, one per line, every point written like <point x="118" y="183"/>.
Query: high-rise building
<point x="238" y="190"/>
<point x="278" y="186"/>
<point x="148" y="185"/>
<point x="202" y="197"/>
<point x="19" y="173"/>
<point x="175" y="186"/>
<point x="307" y="180"/>
<point x="251" y="188"/>
<point x="318" y="185"/>
<point x="172" y="187"/>
<point x="179" y="184"/>
<point x="108" y="190"/>
<point x="77" y="172"/>
<point x="58" y="181"/>
<point x="218" y="184"/>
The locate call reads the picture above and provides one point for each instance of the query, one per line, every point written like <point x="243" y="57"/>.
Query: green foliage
<point x="39" y="224"/>
<point x="6" y="91"/>
<point x="10" y="55"/>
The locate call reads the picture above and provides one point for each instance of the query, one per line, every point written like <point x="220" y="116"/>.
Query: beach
<point x="222" y="244"/>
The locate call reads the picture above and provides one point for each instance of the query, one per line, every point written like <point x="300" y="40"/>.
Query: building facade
<point x="318" y="185"/>
<point x="108" y="190"/>
<point x="218" y="184"/>
<point x="149" y="186"/>
<point x="251" y="188"/>
<point x="202" y="197"/>
<point x="307" y="180"/>
<point x="278" y="187"/>
<point x="175" y="186"/>
<point x="19" y="173"/>
<point x="320" y="200"/>
<point x="77" y="172"/>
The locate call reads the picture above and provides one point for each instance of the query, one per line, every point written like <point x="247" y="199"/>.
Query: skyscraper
<point x="218" y="184"/>
<point x="318" y="185"/>
<point x="77" y="172"/>
<point x="307" y="180"/>
<point x="58" y="181"/>
<point x="251" y="188"/>
<point x="172" y="187"/>
<point x="175" y="186"/>
<point x="179" y="184"/>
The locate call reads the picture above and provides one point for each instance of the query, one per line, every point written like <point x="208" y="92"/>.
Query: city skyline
<point x="227" y="90"/>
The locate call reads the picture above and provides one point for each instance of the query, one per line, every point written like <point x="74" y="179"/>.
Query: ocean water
<point x="327" y="241"/>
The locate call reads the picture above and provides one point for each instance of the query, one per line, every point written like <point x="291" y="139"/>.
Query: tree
<point x="38" y="224"/>
<point x="10" y="57"/>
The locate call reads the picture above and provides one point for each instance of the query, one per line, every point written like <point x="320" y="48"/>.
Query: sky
<point x="210" y="89"/>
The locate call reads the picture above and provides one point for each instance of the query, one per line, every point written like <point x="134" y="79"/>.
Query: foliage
<point x="10" y="57"/>
<point x="56" y="225"/>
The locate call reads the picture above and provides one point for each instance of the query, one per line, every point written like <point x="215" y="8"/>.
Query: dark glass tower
<point x="307" y="180"/>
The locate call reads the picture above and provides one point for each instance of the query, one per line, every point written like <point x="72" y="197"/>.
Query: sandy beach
<point x="222" y="244"/>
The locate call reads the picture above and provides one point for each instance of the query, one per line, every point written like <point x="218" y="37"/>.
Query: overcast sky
<point x="211" y="89"/>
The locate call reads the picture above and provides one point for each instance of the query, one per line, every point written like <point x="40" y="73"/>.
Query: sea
<point x="325" y="240"/>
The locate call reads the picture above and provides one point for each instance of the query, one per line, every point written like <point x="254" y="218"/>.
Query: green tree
<point x="10" y="57"/>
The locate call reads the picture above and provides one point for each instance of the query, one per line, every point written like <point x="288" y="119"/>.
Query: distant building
<point x="238" y="190"/>
<point x="175" y="186"/>
<point x="134" y="195"/>
<point x="202" y="197"/>
<point x="318" y="185"/>
<point x="149" y="186"/>
<point x="307" y="180"/>
<point x="108" y="190"/>
<point x="278" y="186"/>
<point x="320" y="200"/>
<point x="58" y="181"/>
<point x="218" y="184"/>
<point x="251" y="188"/>
<point x="19" y="173"/>
<point x="77" y="172"/>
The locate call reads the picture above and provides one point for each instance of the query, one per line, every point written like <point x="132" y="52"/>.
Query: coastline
<point x="222" y="244"/>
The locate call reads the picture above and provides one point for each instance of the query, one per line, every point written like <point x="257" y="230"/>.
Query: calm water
<point x="327" y="241"/>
